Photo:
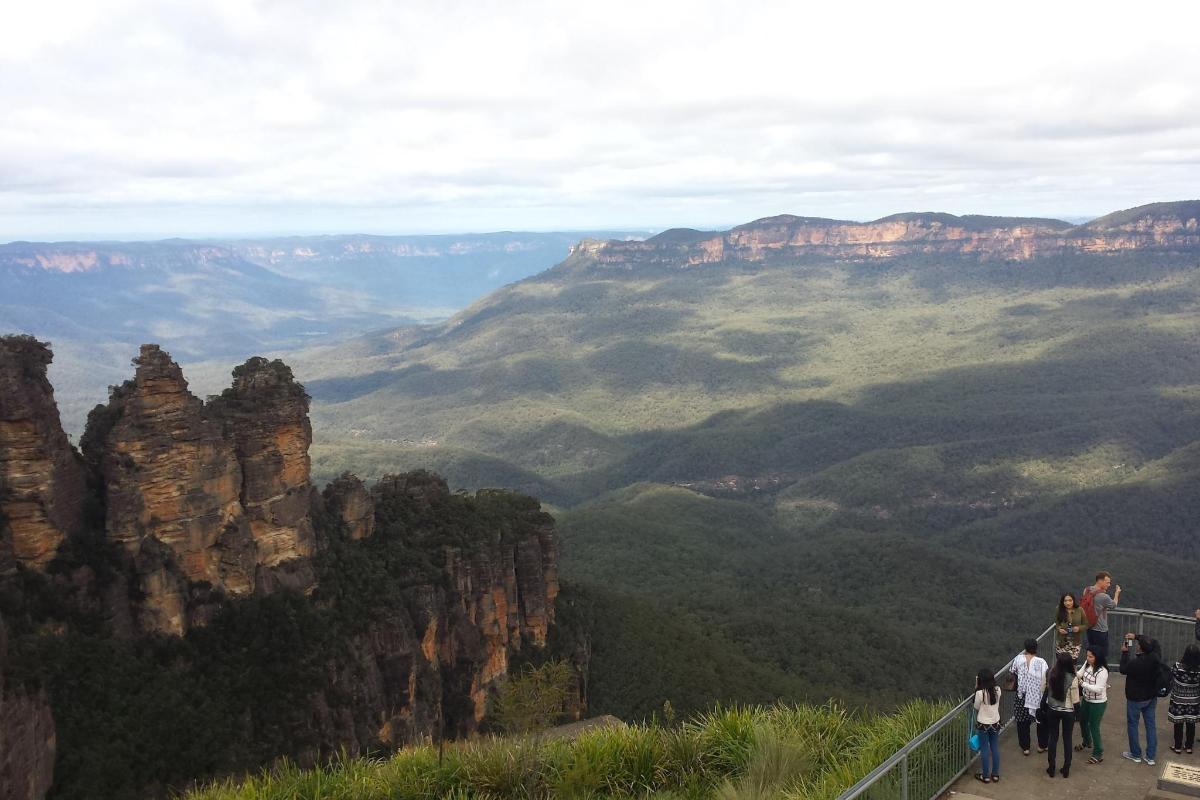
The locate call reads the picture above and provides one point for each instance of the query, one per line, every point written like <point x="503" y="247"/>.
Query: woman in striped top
<point x="1184" y="708"/>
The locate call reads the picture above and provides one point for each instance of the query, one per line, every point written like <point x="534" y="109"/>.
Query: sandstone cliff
<point x="427" y="665"/>
<point x="205" y="501"/>
<point x="426" y="598"/>
<point x="1158" y="227"/>
<point x="266" y="412"/>
<point x="172" y="486"/>
<point x="42" y="480"/>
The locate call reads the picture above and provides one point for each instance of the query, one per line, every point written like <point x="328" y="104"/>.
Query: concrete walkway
<point x="1024" y="777"/>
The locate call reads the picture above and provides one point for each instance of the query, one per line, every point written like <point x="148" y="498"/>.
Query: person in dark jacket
<point x="1141" y="694"/>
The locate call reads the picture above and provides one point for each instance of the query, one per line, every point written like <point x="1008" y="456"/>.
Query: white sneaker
<point x="1150" y="761"/>
<point x="1131" y="757"/>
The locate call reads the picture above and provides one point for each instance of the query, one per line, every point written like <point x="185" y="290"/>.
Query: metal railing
<point x="935" y="758"/>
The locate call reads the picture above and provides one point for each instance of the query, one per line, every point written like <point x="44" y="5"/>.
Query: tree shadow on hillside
<point x="1089" y="391"/>
<point x="623" y="367"/>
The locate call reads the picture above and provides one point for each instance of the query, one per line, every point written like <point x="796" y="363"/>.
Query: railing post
<point x="1141" y="623"/>
<point x="904" y="778"/>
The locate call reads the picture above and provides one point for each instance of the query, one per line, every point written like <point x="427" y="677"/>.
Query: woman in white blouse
<point x="1030" y="670"/>
<point x="1093" y="682"/>
<point x="987" y="725"/>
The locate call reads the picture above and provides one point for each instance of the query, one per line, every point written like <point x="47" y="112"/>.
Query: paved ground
<point x="1025" y="777"/>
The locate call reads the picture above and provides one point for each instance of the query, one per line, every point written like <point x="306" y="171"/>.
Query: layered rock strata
<point x="205" y="501"/>
<point x="1172" y="227"/>
<point x="266" y="412"/>
<point x="432" y="666"/>
<point x="42" y="480"/>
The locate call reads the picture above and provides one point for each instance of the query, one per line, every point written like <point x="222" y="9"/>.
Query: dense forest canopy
<point x="812" y="464"/>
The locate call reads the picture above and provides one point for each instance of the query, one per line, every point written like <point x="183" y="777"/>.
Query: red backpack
<point x="1088" y="604"/>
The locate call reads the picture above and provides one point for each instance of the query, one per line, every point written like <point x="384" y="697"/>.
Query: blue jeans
<point x="989" y="752"/>
<point x="1145" y="709"/>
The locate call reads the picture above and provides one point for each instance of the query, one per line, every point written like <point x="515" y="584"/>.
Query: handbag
<point x="973" y="739"/>
<point x="1043" y="710"/>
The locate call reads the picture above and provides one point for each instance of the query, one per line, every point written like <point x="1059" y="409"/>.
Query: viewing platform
<point x="1025" y="776"/>
<point x="939" y="765"/>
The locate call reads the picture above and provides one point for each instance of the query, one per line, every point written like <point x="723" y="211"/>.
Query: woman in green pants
<point x="1093" y="686"/>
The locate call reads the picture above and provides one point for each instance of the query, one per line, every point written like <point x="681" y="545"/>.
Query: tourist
<point x="1141" y="694"/>
<point x="1029" y="669"/>
<point x="1069" y="626"/>
<point x="1093" y="689"/>
<point x="1062" y="693"/>
<point x="1096" y="603"/>
<point x="987" y="725"/>
<point x="1184" y="707"/>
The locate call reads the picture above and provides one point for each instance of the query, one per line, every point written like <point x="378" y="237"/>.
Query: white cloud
<point x="234" y="116"/>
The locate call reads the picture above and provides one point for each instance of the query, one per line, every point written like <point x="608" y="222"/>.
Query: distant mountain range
<point x="218" y="299"/>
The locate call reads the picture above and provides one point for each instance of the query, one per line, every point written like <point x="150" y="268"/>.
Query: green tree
<point x="533" y="700"/>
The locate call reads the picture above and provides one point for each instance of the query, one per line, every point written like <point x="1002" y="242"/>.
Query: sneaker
<point x="1131" y="757"/>
<point x="1150" y="761"/>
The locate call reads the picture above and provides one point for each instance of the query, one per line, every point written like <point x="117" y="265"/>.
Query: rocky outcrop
<point x="430" y="597"/>
<point x="431" y="666"/>
<point x="42" y="480"/>
<point x="205" y="501"/>
<point x="266" y="412"/>
<point x="27" y="739"/>
<point x="172" y="486"/>
<point x="347" y="498"/>
<point x="1157" y="227"/>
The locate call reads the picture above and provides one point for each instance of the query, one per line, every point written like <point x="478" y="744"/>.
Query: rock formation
<point x="1171" y="227"/>
<point x="348" y="499"/>
<point x="172" y="486"/>
<point x="266" y="412"/>
<point x="27" y="739"/>
<point x="428" y="668"/>
<point x="432" y="597"/>
<point x="206" y="501"/>
<point x="42" y="480"/>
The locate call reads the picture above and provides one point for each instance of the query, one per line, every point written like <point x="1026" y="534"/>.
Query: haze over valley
<point x="668" y="401"/>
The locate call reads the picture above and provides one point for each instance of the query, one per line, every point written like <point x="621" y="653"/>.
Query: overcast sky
<point x="130" y="119"/>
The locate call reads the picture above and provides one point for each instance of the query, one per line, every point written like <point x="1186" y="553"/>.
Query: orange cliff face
<point x="266" y="412"/>
<point x="1169" y="227"/>
<point x="198" y="496"/>
<point x="42" y="479"/>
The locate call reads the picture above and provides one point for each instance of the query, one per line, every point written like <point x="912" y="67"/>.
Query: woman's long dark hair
<point x="1191" y="657"/>
<point x="986" y="681"/>
<point x="1063" y="665"/>
<point x="1102" y="657"/>
<point x="1063" y="616"/>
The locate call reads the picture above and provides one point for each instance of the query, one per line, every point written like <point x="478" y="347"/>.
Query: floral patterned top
<point x="1031" y="678"/>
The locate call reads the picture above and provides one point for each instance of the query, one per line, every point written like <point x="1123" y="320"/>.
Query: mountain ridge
<point x="1158" y="226"/>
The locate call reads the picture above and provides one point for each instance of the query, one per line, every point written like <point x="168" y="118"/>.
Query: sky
<point x="130" y="119"/>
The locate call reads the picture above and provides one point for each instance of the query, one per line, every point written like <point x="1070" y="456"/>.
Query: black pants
<point x="1191" y="735"/>
<point x="1023" y="734"/>
<point x="1098" y="639"/>
<point x="1056" y="720"/>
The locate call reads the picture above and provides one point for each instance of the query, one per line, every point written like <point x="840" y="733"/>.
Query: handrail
<point x="900" y="757"/>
